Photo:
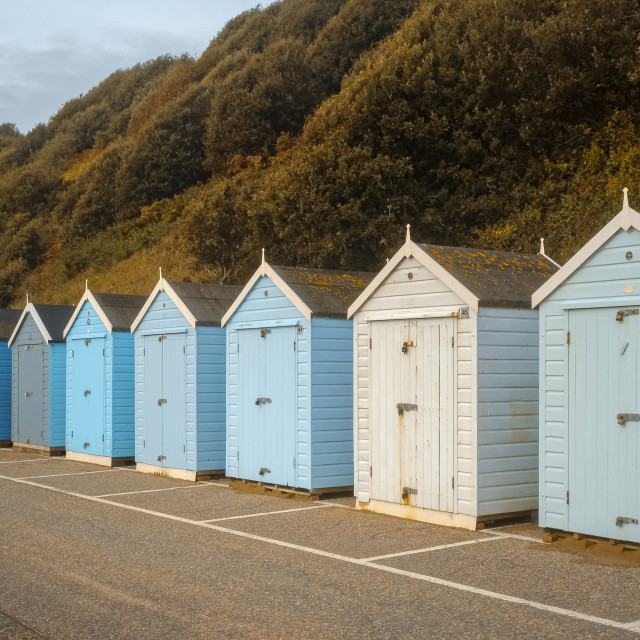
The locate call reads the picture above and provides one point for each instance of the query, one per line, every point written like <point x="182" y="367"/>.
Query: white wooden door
<point x="412" y="412"/>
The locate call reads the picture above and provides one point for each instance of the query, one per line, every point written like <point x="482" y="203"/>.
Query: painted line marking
<point x="129" y="493"/>
<point x="265" y="513"/>
<point x="438" y="548"/>
<point x="516" y="536"/>
<point x="634" y="626"/>
<point x="346" y="559"/>
<point x="58" y="475"/>
<point x="43" y="459"/>
<point x="337" y="505"/>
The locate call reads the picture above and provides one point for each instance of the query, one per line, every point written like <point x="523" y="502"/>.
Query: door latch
<point x="86" y="444"/>
<point x="162" y="401"/>
<point x="87" y="341"/>
<point x="260" y="401"/>
<point x="622" y="313"/>
<point x="264" y="332"/>
<point x="160" y="458"/>
<point x="623" y="418"/>
<point x="264" y="470"/>
<point x="406" y="345"/>
<point x="404" y="406"/>
<point x="620" y="520"/>
<point x="87" y="392"/>
<point x="28" y="394"/>
<point x="408" y="491"/>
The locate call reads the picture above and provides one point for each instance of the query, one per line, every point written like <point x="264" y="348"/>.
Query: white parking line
<point x="264" y="513"/>
<point x="438" y="548"/>
<point x="129" y="493"/>
<point x="346" y="559"/>
<point x="58" y="475"/>
<point x="42" y="459"/>
<point x="634" y="626"/>
<point x="516" y="536"/>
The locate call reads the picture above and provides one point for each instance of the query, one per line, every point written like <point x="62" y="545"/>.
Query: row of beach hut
<point x="456" y="386"/>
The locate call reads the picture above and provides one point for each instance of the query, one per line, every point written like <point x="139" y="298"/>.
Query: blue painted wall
<point x="324" y="387"/>
<point x="118" y="363"/>
<point x="204" y="382"/>
<point x="332" y="402"/>
<point x="5" y="391"/>
<point x="54" y="384"/>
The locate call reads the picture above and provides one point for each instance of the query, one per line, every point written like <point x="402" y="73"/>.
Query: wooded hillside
<point x="318" y="129"/>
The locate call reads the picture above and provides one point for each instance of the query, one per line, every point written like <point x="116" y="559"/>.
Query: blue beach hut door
<point x="88" y="396"/>
<point x="31" y="427"/>
<point x="165" y="410"/>
<point x="267" y="405"/>
<point x="604" y="423"/>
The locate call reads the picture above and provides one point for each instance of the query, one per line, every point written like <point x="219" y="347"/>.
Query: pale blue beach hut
<point x="290" y="378"/>
<point x="38" y="380"/>
<point x="180" y="379"/>
<point x="100" y="378"/>
<point x="589" y="386"/>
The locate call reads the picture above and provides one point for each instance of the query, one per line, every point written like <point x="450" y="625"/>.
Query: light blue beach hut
<point x="38" y="381"/>
<point x="290" y="378"/>
<point x="100" y="378"/>
<point x="8" y="320"/>
<point x="590" y="386"/>
<point x="180" y="379"/>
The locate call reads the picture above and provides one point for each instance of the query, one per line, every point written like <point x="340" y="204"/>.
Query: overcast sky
<point x="54" y="50"/>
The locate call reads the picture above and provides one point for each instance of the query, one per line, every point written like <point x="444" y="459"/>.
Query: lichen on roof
<point x="496" y="278"/>
<point x="326" y="292"/>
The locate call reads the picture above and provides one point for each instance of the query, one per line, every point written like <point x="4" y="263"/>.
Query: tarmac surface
<point x="88" y="552"/>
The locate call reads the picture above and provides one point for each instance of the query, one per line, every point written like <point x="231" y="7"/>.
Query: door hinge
<point x="72" y="354"/>
<point x="370" y="343"/>
<point x="184" y="350"/>
<point x="567" y="497"/>
<point x="452" y="343"/>
<point x="103" y="352"/>
<point x="568" y="337"/>
<point x="103" y="437"/>
<point x="294" y="345"/>
<point x="144" y="351"/>
<point x="371" y="472"/>
<point x="453" y="482"/>
<point x="294" y="462"/>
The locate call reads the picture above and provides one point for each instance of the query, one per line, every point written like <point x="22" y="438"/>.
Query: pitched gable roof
<point x="496" y="278"/>
<point x="201" y="304"/>
<point x="116" y="310"/>
<point x="50" y="319"/>
<point x="314" y="292"/>
<point x="626" y="219"/>
<point x="478" y="276"/>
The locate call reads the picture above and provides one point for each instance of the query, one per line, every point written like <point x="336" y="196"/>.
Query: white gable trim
<point x="411" y="249"/>
<point x="266" y="270"/>
<point x="625" y="220"/>
<point x="30" y="309"/>
<point x="163" y="285"/>
<point x="88" y="297"/>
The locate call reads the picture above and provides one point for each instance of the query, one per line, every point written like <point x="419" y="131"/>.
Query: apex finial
<point x="542" y="246"/>
<point x="626" y="211"/>
<point x="160" y="272"/>
<point x="263" y="260"/>
<point x="408" y="233"/>
<point x="27" y="297"/>
<point x="86" y="284"/>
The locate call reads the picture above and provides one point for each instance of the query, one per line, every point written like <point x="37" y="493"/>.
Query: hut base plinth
<point x="179" y="474"/>
<point x="261" y="488"/>
<point x="5" y="444"/>
<point x="104" y="461"/>
<point x="24" y="447"/>
<point x="432" y="516"/>
<point x="573" y="540"/>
